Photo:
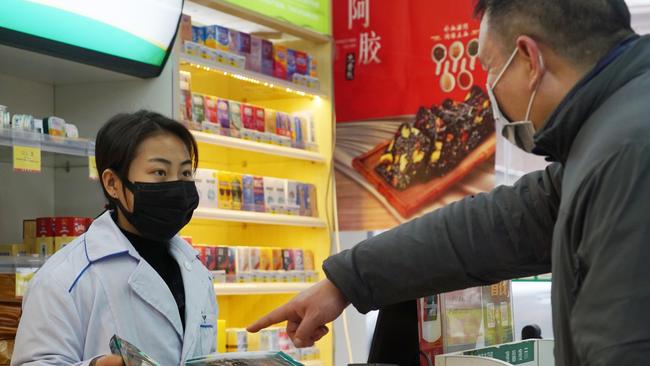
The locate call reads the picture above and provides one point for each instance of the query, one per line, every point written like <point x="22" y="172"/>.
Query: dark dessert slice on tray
<point x="405" y="159"/>
<point x="460" y="128"/>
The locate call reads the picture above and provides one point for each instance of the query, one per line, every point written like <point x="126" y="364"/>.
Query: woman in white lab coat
<point x="130" y="274"/>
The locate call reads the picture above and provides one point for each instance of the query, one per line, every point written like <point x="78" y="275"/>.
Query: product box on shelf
<point x="298" y="123"/>
<point x="223" y="116"/>
<point x="54" y="126"/>
<point x="280" y="196"/>
<point x="270" y="339"/>
<point x="198" y="110"/>
<point x="288" y="260"/>
<point x="29" y="235"/>
<point x="201" y="250"/>
<point x="223" y="38"/>
<point x="240" y="43"/>
<point x="292" y="200"/>
<point x="13" y="250"/>
<point x="277" y="262"/>
<point x="186" y="96"/>
<point x="313" y="201"/>
<point x="248" y="194"/>
<point x="237" y="191"/>
<point x="261" y="56"/>
<point x="66" y="229"/>
<point x="255" y="258"/>
<point x="206" y="184"/>
<point x="302" y="62"/>
<point x="243" y="264"/>
<point x="258" y="194"/>
<point x="210" y="109"/>
<point x="291" y="64"/>
<point x="265" y="274"/>
<point x="235" y="119"/>
<point x="217" y="37"/>
<point x="44" y="236"/>
<point x="270" y="121"/>
<point x="237" y="340"/>
<point x="260" y="122"/>
<point x="280" y="62"/>
<point x="304" y="199"/>
<point x="226" y="262"/>
<point x="299" y="272"/>
<point x="313" y="66"/>
<point x="283" y="124"/>
<point x="248" y="117"/>
<point x="211" y="258"/>
<point x="225" y="190"/>
<point x="198" y="36"/>
<point x="269" y="194"/>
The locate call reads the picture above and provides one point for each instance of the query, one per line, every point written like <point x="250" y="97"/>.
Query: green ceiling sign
<point x="310" y="14"/>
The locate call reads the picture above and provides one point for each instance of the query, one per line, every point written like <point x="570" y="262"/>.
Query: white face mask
<point x="519" y="133"/>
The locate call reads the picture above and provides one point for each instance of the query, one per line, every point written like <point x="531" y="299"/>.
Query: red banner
<point x="394" y="56"/>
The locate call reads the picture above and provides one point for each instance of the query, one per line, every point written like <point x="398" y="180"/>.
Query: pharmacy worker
<point x="130" y="274"/>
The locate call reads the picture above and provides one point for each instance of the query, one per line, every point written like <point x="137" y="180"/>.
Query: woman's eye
<point x="160" y="173"/>
<point x="187" y="174"/>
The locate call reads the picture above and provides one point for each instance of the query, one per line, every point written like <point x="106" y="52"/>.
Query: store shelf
<point x="241" y="144"/>
<point x="250" y="76"/>
<point x="53" y="144"/>
<point x="226" y="289"/>
<point x="258" y="218"/>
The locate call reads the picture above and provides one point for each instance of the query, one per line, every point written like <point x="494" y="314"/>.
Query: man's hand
<point x="307" y="313"/>
<point x="110" y="360"/>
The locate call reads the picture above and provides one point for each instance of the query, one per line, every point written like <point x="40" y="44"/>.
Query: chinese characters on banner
<point x="394" y="56"/>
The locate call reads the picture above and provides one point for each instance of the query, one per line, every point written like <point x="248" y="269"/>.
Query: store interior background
<point x="49" y="86"/>
<point x="511" y="163"/>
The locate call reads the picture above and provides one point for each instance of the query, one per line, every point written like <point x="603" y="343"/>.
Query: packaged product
<point x="291" y="64"/>
<point x="44" y="236"/>
<point x="237" y="190"/>
<point x="261" y="56"/>
<point x="280" y="62"/>
<point x="223" y="115"/>
<point x="206" y="185"/>
<point x="237" y="340"/>
<point x="197" y="108"/>
<point x="313" y="66"/>
<point x="225" y="190"/>
<point x="223" y="38"/>
<point x="260" y="122"/>
<point x="270" y="121"/>
<point x="240" y="43"/>
<point x="235" y="119"/>
<point x="226" y="262"/>
<point x="248" y="183"/>
<point x="198" y="36"/>
<point x="211" y="36"/>
<point x="292" y="199"/>
<point x="192" y="48"/>
<point x="243" y="264"/>
<point x="302" y="63"/>
<point x="248" y="117"/>
<point x="258" y="193"/>
<point x="210" y="109"/>
<point x="54" y="126"/>
<point x="255" y="258"/>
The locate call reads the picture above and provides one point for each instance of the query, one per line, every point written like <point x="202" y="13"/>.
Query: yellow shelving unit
<point x="241" y="304"/>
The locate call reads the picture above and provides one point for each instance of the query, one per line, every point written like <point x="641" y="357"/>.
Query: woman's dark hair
<point x="118" y="140"/>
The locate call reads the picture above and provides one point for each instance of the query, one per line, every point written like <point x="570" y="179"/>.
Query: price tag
<point x="27" y="159"/>
<point x="92" y="168"/>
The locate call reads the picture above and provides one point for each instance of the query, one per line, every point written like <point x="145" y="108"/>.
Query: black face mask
<point x="160" y="210"/>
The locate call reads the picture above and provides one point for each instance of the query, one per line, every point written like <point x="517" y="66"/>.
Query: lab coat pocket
<point x="208" y="334"/>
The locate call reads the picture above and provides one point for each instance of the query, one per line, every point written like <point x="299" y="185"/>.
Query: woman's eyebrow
<point x="160" y="160"/>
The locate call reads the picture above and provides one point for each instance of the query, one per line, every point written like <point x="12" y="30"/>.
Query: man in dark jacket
<point x="571" y="81"/>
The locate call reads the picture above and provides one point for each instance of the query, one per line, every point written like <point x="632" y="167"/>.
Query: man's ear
<point x="532" y="55"/>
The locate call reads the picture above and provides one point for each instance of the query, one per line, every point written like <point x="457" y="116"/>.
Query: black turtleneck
<point x="158" y="255"/>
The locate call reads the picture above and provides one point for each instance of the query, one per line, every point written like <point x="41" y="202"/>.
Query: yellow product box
<point x="44" y="246"/>
<point x="225" y="190"/>
<point x="237" y="189"/>
<point x="12" y="250"/>
<point x="62" y="241"/>
<point x="253" y="342"/>
<point x="221" y="336"/>
<point x="29" y="229"/>
<point x="236" y="340"/>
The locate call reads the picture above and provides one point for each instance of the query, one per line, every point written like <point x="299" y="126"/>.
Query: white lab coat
<point x="98" y="286"/>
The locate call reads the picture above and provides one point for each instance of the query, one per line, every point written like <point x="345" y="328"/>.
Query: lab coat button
<point x="188" y="265"/>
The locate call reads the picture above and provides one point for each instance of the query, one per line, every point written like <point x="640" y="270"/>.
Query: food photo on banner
<point x="414" y="126"/>
<point x="415" y="132"/>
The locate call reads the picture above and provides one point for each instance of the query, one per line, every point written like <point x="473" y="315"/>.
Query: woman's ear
<point x="111" y="183"/>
